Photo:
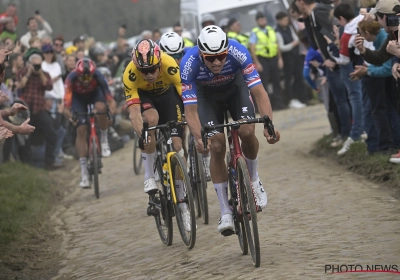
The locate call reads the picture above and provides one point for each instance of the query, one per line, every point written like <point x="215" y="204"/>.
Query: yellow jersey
<point x="134" y="81"/>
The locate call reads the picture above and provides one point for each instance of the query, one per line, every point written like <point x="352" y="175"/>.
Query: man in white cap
<point x="207" y="19"/>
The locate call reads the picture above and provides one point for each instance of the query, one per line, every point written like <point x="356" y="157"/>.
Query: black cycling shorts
<point x="81" y="101"/>
<point x="169" y="106"/>
<point x="211" y="102"/>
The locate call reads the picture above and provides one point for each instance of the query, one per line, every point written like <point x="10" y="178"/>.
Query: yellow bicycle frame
<point x="171" y="182"/>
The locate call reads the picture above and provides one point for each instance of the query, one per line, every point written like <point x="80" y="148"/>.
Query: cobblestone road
<point x="318" y="214"/>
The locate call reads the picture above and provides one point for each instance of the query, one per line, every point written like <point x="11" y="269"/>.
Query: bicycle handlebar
<point x="87" y="114"/>
<point x="167" y="126"/>
<point x="236" y="124"/>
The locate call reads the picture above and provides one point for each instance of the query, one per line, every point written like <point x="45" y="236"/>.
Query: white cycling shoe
<point x="150" y="185"/>
<point x="85" y="182"/>
<point x="105" y="150"/>
<point x="225" y="225"/>
<point x="261" y="195"/>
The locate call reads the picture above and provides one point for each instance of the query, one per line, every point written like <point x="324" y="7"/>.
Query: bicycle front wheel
<point x="137" y="156"/>
<point x="201" y="184"/>
<point x="163" y="216"/>
<point x="237" y="217"/>
<point x="249" y="211"/>
<point x="95" y="166"/>
<point x="184" y="208"/>
<point x="193" y="179"/>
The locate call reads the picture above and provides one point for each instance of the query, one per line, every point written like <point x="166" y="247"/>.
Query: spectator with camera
<point x="25" y="128"/>
<point x="381" y="122"/>
<point x="32" y="83"/>
<point x="385" y="13"/>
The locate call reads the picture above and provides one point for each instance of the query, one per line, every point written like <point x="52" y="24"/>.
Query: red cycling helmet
<point x="146" y="55"/>
<point x="85" y="68"/>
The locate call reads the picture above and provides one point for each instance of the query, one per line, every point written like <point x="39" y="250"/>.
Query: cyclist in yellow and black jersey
<point x="153" y="92"/>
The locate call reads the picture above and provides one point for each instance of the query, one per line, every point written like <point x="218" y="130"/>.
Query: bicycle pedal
<point x="228" y="232"/>
<point x="151" y="211"/>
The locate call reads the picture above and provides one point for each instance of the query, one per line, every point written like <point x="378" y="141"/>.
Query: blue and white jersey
<point x="193" y="71"/>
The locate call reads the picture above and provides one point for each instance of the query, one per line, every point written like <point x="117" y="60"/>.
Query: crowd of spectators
<point x="34" y="66"/>
<point x="311" y="53"/>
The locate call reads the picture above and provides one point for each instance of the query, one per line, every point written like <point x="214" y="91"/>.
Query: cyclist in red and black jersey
<point x="83" y="86"/>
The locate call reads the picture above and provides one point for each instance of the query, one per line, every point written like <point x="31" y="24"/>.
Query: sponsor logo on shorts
<point x="246" y="117"/>
<point x="178" y="113"/>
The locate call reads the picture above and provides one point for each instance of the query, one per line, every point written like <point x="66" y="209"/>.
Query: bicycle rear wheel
<point x="184" y="209"/>
<point x="95" y="166"/>
<point x="249" y="211"/>
<point x="201" y="186"/>
<point x="137" y="156"/>
<point x="237" y="218"/>
<point x="163" y="215"/>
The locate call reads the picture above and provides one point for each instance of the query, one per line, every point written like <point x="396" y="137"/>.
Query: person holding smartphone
<point x="32" y="82"/>
<point x="347" y="56"/>
<point x="33" y="29"/>
<point x="383" y="11"/>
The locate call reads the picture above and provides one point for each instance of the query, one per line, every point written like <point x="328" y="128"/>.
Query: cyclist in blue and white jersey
<point x="216" y="72"/>
<point x="174" y="45"/>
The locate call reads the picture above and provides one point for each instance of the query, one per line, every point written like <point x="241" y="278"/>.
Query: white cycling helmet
<point x="212" y="40"/>
<point x="171" y="43"/>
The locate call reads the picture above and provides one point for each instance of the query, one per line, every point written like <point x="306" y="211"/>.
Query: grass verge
<point x="26" y="196"/>
<point x="376" y="168"/>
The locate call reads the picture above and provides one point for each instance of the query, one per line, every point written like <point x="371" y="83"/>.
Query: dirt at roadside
<point x="36" y="253"/>
<point x="384" y="173"/>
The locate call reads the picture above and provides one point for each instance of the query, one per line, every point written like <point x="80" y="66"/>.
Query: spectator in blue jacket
<point x="381" y="122"/>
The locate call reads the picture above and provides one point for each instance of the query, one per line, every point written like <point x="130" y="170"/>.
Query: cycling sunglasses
<point x="212" y="57"/>
<point x="86" y="78"/>
<point x="177" y="55"/>
<point x="149" y="70"/>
